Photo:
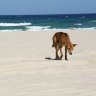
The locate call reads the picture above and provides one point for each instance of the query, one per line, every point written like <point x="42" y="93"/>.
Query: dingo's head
<point x="70" y="47"/>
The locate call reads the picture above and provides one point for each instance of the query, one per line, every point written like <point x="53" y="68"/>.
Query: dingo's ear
<point x="74" y="45"/>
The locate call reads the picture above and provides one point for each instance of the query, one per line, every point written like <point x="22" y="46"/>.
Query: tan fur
<point x="61" y="39"/>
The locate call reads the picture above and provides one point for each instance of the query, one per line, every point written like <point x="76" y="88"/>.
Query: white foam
<point x="66" y="16"/>
<point x="10" y="30"/>
<point x="79" y="24"/>
<point x="93" y="21"/>
<point x="92" y="28"/>
<point x="14" y="24"/>
<point x="83" y="17"/>
<point x="37" y="28"/>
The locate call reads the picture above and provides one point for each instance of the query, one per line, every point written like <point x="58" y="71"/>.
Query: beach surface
<point x="28" y="68"/>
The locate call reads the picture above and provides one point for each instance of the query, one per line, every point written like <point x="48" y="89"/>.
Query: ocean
<point x="46" y="22"/>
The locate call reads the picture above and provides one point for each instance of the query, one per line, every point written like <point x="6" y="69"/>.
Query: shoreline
<point x="92" y="28"/>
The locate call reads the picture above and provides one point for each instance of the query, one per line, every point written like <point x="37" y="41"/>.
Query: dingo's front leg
<point x="66" y="53"/>
<point x="61" y="53"/>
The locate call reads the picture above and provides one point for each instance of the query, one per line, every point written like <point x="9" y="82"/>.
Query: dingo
<point x="61" y="39"/>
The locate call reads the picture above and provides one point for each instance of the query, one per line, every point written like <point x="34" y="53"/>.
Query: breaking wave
<point x="79" y="24"/>
<point x="14" y="24"/>
<point x="94" y="21"/>
<point x="37" y="28"/>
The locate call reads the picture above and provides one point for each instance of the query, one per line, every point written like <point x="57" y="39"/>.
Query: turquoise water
<point x="45" y="22"/>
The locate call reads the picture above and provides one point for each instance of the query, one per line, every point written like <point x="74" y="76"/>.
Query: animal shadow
<point x="49" y="58"/>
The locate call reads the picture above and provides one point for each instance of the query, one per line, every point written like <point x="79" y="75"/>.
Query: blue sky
<point x="24" y="7"/>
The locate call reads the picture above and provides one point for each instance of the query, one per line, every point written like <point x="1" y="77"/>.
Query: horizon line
<point x="49" y="14"/>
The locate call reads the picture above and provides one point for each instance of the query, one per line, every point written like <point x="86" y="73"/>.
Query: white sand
<point x="24" y="71"/>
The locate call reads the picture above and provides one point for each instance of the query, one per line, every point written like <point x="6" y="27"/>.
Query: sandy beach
<point x="24" y="71"/>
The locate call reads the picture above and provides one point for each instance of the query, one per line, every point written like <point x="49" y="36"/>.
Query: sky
<point x="31" y="7"/>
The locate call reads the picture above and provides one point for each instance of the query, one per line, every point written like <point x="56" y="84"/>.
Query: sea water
<point x="46" y="22"/>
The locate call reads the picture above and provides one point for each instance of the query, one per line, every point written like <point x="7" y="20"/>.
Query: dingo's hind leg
<point x="57" y="49"/>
